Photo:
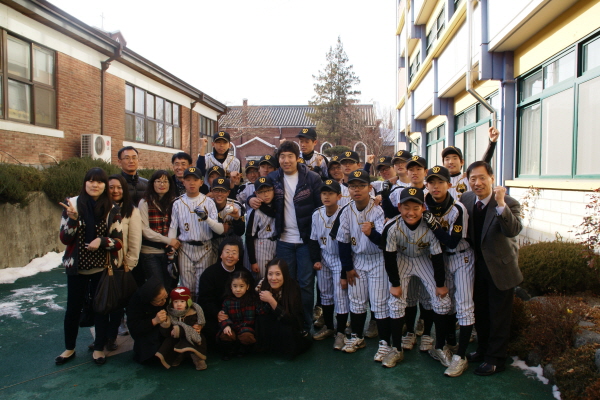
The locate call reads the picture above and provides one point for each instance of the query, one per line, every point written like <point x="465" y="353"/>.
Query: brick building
<point x="257" y="130"/>
<point x="61" y="78"/>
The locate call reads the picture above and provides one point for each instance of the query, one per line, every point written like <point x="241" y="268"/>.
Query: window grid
<point x="436" y="30"/>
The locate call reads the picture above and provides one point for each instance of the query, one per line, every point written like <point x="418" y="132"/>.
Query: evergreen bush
<point x="336" y="150"/>
<point x="557" y="267"/>
<point x="16" y="183"/>
<point x="576" y="373"/>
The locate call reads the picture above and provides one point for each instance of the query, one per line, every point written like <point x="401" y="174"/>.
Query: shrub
<point x="147" y="173"/>
<point x="336" y="150"/>
<point x="557" y="267"/>
<point x="521" y="318"/>
<point x="16" y="183"/>
<point x="66" y="178"/>
<point x="576" y="373"/>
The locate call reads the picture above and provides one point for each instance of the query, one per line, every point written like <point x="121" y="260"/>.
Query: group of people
<point x="232" y="264"/>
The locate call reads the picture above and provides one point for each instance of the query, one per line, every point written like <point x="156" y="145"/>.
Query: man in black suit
<point x="494" y="223"/>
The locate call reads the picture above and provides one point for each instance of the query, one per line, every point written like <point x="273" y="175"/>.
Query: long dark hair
<point x="126" y="203"/>
<point x="250" y="296"/>
<point x="290" y="291"/>
<point x="166" y="202"/>
<point x="103" y="204"/>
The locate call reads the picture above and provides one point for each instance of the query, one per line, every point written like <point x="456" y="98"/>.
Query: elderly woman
<point x="280" y="326"/>
<point x="90" y="227"/>
<point x="145" y="312"/>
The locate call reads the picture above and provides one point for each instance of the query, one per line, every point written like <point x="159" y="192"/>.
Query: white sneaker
<point x="426" y="343"/>
<point x="372" y="330"/>
<point x="420" y="327"/>
<point x="353" y="344"/>
<point x="392" y="358"/>
<point x="457" y="366"/>
<point x="340" y="341"/>
<point x="323" y="333"/>
<point x="383" y="350"/>
<point x="409" y="341"/>
<point x="444" y="356"/>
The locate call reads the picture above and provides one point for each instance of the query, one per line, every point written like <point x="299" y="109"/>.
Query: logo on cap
<point x="301" y="160"/>
<point x="251" y="163"/>
<point x="348" y="153"/>
<point x="415" y="158"/>
<point x="412" y="192"/>
<point x="457" y="228"/>
<point x="436" y="170"/>
<point x="262" y="180"/>
<point x="267" y="157"/>
<point x="304" y="130"/>
<point x="328" y="182"/>
<point x="382" y="159"/>
<point x="356" y="174"/>
<point x="192" y="169"/>
<point x="334" y="158"/>
<point x="216" y="168"/>
<point x="220" y="181"/>
<point x="221" y="133"/>
<point x="399" y="153"/>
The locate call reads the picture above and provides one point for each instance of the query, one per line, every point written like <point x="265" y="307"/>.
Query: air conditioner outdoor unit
<point x="96" y="146"/>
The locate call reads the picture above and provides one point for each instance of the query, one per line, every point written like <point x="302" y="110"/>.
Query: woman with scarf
<point x="91" y="229"/>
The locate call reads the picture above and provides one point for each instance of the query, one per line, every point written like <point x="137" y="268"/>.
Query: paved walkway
<point x="31" y="336"/>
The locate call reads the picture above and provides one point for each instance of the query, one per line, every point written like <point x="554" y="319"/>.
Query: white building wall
<point x="424" y="92"/>
<point x="504" y="13"/>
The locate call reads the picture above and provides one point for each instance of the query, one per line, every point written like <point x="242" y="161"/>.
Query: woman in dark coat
<point x="279" y="327"/>
<point x="145" y="313"/>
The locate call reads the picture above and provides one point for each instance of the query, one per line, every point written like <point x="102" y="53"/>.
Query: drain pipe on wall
<point x="105" y="64"/>
<point x="470" y="89"/>
<point x="192" y="105"/>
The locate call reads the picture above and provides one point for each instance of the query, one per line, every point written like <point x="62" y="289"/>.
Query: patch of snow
<point x="29" y="299"/>
<point x="46" y="263"/>
<point x="556" y="392"/>
<point x="533" y="372"/>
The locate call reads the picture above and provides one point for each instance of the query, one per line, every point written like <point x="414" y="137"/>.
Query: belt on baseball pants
<point x="458" y="252"/>
<point x="195" y="243"/>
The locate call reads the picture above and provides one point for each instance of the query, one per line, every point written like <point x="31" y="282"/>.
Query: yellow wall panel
<point x="574" y="24"/>
<point x="434" y="122"/>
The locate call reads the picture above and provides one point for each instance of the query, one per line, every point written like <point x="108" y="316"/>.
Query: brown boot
<point x="199" y="363"/>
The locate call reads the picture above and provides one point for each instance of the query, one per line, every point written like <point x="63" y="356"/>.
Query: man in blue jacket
<point x="297" y="195"/>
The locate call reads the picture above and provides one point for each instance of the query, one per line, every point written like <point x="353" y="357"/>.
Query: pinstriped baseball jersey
<point x="312" y="163"/>
<point x="227" y="217"/>
<point x="455" y="221"/>
<point x="263" y="226"/>
<point x="417" y="244"/>
<point x="243" y="195"/>
<point x="229" y="165"/>
<point x="460" y="185"/>
<point x="345" y="196"/>
<point x="350" y="227"/>
<point x="185" y="219"/>
<point x="321" y="228"/>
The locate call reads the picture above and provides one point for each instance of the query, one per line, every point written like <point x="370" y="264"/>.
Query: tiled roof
<point x="279" y="116"/>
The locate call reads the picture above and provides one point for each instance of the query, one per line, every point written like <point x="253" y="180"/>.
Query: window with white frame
<point x="436" y="29"/>
<point x="435" y="144"/>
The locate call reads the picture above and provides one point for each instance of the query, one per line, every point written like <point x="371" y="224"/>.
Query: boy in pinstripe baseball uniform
<point x="316" y="162"/>
<point x="454" y="161"/>
<point x="401" y="181"/>
<point x="334" y="298"/>
<point x="267" y="164"/>
<point x="230" y="214"/>
<point x="220" y="156"/>
<point x="411" y="249"/>
<point x="337" y="174"/>
<point x="244" y="191"/>
<point x="448" y="220"/>
<point x="195" y="217"/>
<point x="261" y="235"/>
<point x="357" y="230"/>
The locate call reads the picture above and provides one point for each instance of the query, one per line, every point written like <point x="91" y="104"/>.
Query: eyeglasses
<point x="162" y="182"/>
<point x="264" y="191"/>
<point x="130" y="158"/>
<point x="357" y="187"/>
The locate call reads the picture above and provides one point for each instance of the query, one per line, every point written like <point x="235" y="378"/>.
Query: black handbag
<point x="126" y="285"/>
<point x="107" y="297"/>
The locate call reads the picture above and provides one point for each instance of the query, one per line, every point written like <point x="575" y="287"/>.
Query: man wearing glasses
<point x="129" y="162"/>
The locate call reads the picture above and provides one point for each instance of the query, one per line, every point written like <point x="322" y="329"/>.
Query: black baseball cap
<point x="220" y="182"/>
<point x="251" y="164"/>
<point x="194" y="172"/>
<point x="331" y="185"/>
<point x="359" y="175"/>
<point x="216" y="169"/>
<point x="263" y="181"/>
<point x="412" y="194"/>
<point x="384" y="162"/>
<point x="452" y="150"/>
<point x="334" y="160"/>
<point x="309" y="133"/>
<point x="350" y="155"/>
<point x="420" y="161"/>
<point x="402" y="155"/>
<point x="439" y="172"/>
<point x="269" y="159"/>
<point x="222" y="135"/>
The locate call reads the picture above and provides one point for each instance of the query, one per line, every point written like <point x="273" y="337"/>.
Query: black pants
<point x="77" y="286"/>
<point x="493" y="313"/>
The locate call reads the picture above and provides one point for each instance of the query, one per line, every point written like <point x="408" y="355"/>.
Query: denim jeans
<point x="297" y="257"/>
